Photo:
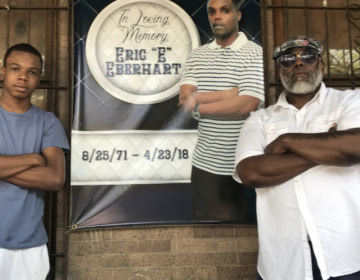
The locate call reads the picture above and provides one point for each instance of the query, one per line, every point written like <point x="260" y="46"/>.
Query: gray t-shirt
<point x="21" y="209"/>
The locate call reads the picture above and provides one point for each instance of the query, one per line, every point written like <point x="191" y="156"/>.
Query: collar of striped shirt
<point x="240" y="41"/>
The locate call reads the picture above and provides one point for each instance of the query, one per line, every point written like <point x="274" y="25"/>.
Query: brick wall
<point x="163" y="253"/>
<point x="62" y="109"/>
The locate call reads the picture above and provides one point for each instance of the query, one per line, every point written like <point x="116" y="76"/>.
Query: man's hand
<point x="277" y="146"/>
<point x="188" y="104"/>
<point x="333" y="128"/>
<point x="41" y="160"/>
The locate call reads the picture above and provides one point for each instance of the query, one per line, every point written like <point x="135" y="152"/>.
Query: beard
<point x="223" y="35"/>
<point x="302" y="87"/>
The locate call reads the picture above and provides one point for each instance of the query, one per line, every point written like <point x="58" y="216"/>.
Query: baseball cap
<point x="296" y="42"/>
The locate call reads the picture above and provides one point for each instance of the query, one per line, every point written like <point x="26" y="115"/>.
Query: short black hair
<point x="23" y="47"/>
<point x="237" y="4"/>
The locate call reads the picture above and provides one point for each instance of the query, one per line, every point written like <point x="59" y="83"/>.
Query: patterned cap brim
<point x="298" y="42"/>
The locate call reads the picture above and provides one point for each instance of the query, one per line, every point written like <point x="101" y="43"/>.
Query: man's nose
<point x="298" y="61"/>
<point x="217" y="15"/>
<point x="23" y="75"/>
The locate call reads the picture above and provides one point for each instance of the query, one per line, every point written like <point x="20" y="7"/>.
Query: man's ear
<point x="2" y="72"/>
<point x="239" y="14"/>
<point x="322" y="65"/>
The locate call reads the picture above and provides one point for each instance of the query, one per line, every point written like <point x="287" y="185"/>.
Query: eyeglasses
<point x="308" y="57"/>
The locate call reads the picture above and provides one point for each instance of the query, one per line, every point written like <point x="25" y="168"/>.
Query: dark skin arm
<point x="338" y="148"/>
<point x="276" y="166"/>
<point x="11" y="165"/>
<point x="50" y="177"/>
<point x="271" y="169"/>
<point x="231" y="108"/>
<point x="204" y="97"/>
<point x="207" y="97"/>
<point x="225" y="104"/>
<point x="186" y="98"/>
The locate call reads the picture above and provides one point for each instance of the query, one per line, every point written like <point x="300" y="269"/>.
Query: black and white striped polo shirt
<point x="213" y="68"/>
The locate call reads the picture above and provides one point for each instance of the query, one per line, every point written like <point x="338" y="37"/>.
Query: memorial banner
<point x="132" y="146"/>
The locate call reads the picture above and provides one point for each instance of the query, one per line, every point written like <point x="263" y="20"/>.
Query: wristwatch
<point x="196" y="114"/>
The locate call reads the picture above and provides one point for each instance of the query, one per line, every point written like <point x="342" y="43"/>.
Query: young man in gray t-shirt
<point x="32" y="146"/>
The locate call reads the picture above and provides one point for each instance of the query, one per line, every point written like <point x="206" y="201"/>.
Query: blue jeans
<point x="317" y="274"/>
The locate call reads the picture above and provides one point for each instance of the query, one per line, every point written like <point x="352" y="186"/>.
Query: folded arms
<point x="35" y="171"/>
<point x="293" y="153"/>
<point x="224" y="104"/>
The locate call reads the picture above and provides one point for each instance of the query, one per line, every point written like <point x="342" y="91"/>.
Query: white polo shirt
<point x="323" y="202"/>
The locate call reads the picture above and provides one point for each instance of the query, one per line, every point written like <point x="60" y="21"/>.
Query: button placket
<point x="309" y="222"/>
<point x="214" y="58"/>
<point x="299" y="120"/>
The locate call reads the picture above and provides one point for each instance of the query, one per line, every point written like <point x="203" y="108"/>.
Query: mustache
<point x="217" y="24"/>
<point x="297" y="70"/>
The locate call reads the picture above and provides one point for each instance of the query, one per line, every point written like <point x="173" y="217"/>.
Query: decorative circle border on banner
<point x="98" y="74"/>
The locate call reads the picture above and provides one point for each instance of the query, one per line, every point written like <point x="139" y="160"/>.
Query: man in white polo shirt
<point x="221" y="84"/>
<point x="302" y="155"/>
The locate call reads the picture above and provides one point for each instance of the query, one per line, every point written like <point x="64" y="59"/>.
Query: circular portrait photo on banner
<point x="137" y="51"/>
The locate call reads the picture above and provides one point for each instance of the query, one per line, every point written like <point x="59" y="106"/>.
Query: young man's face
<point x="223" y="18"/>
<point x="21" y="75"/>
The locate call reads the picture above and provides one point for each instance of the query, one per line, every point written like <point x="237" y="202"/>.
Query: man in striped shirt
<point x="221" y="84"/>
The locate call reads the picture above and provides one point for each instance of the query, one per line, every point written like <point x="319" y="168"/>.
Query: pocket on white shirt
<point x="320" y="123"/>
<point x="274" y="130"/>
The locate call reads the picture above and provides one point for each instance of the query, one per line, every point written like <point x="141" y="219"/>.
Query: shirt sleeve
<point x="251" y="141"/>
<point x="252" y="78"/>
<point x="189" y="76"/>
<point x="54" y="135"/>
<point x="350" y="115"/>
